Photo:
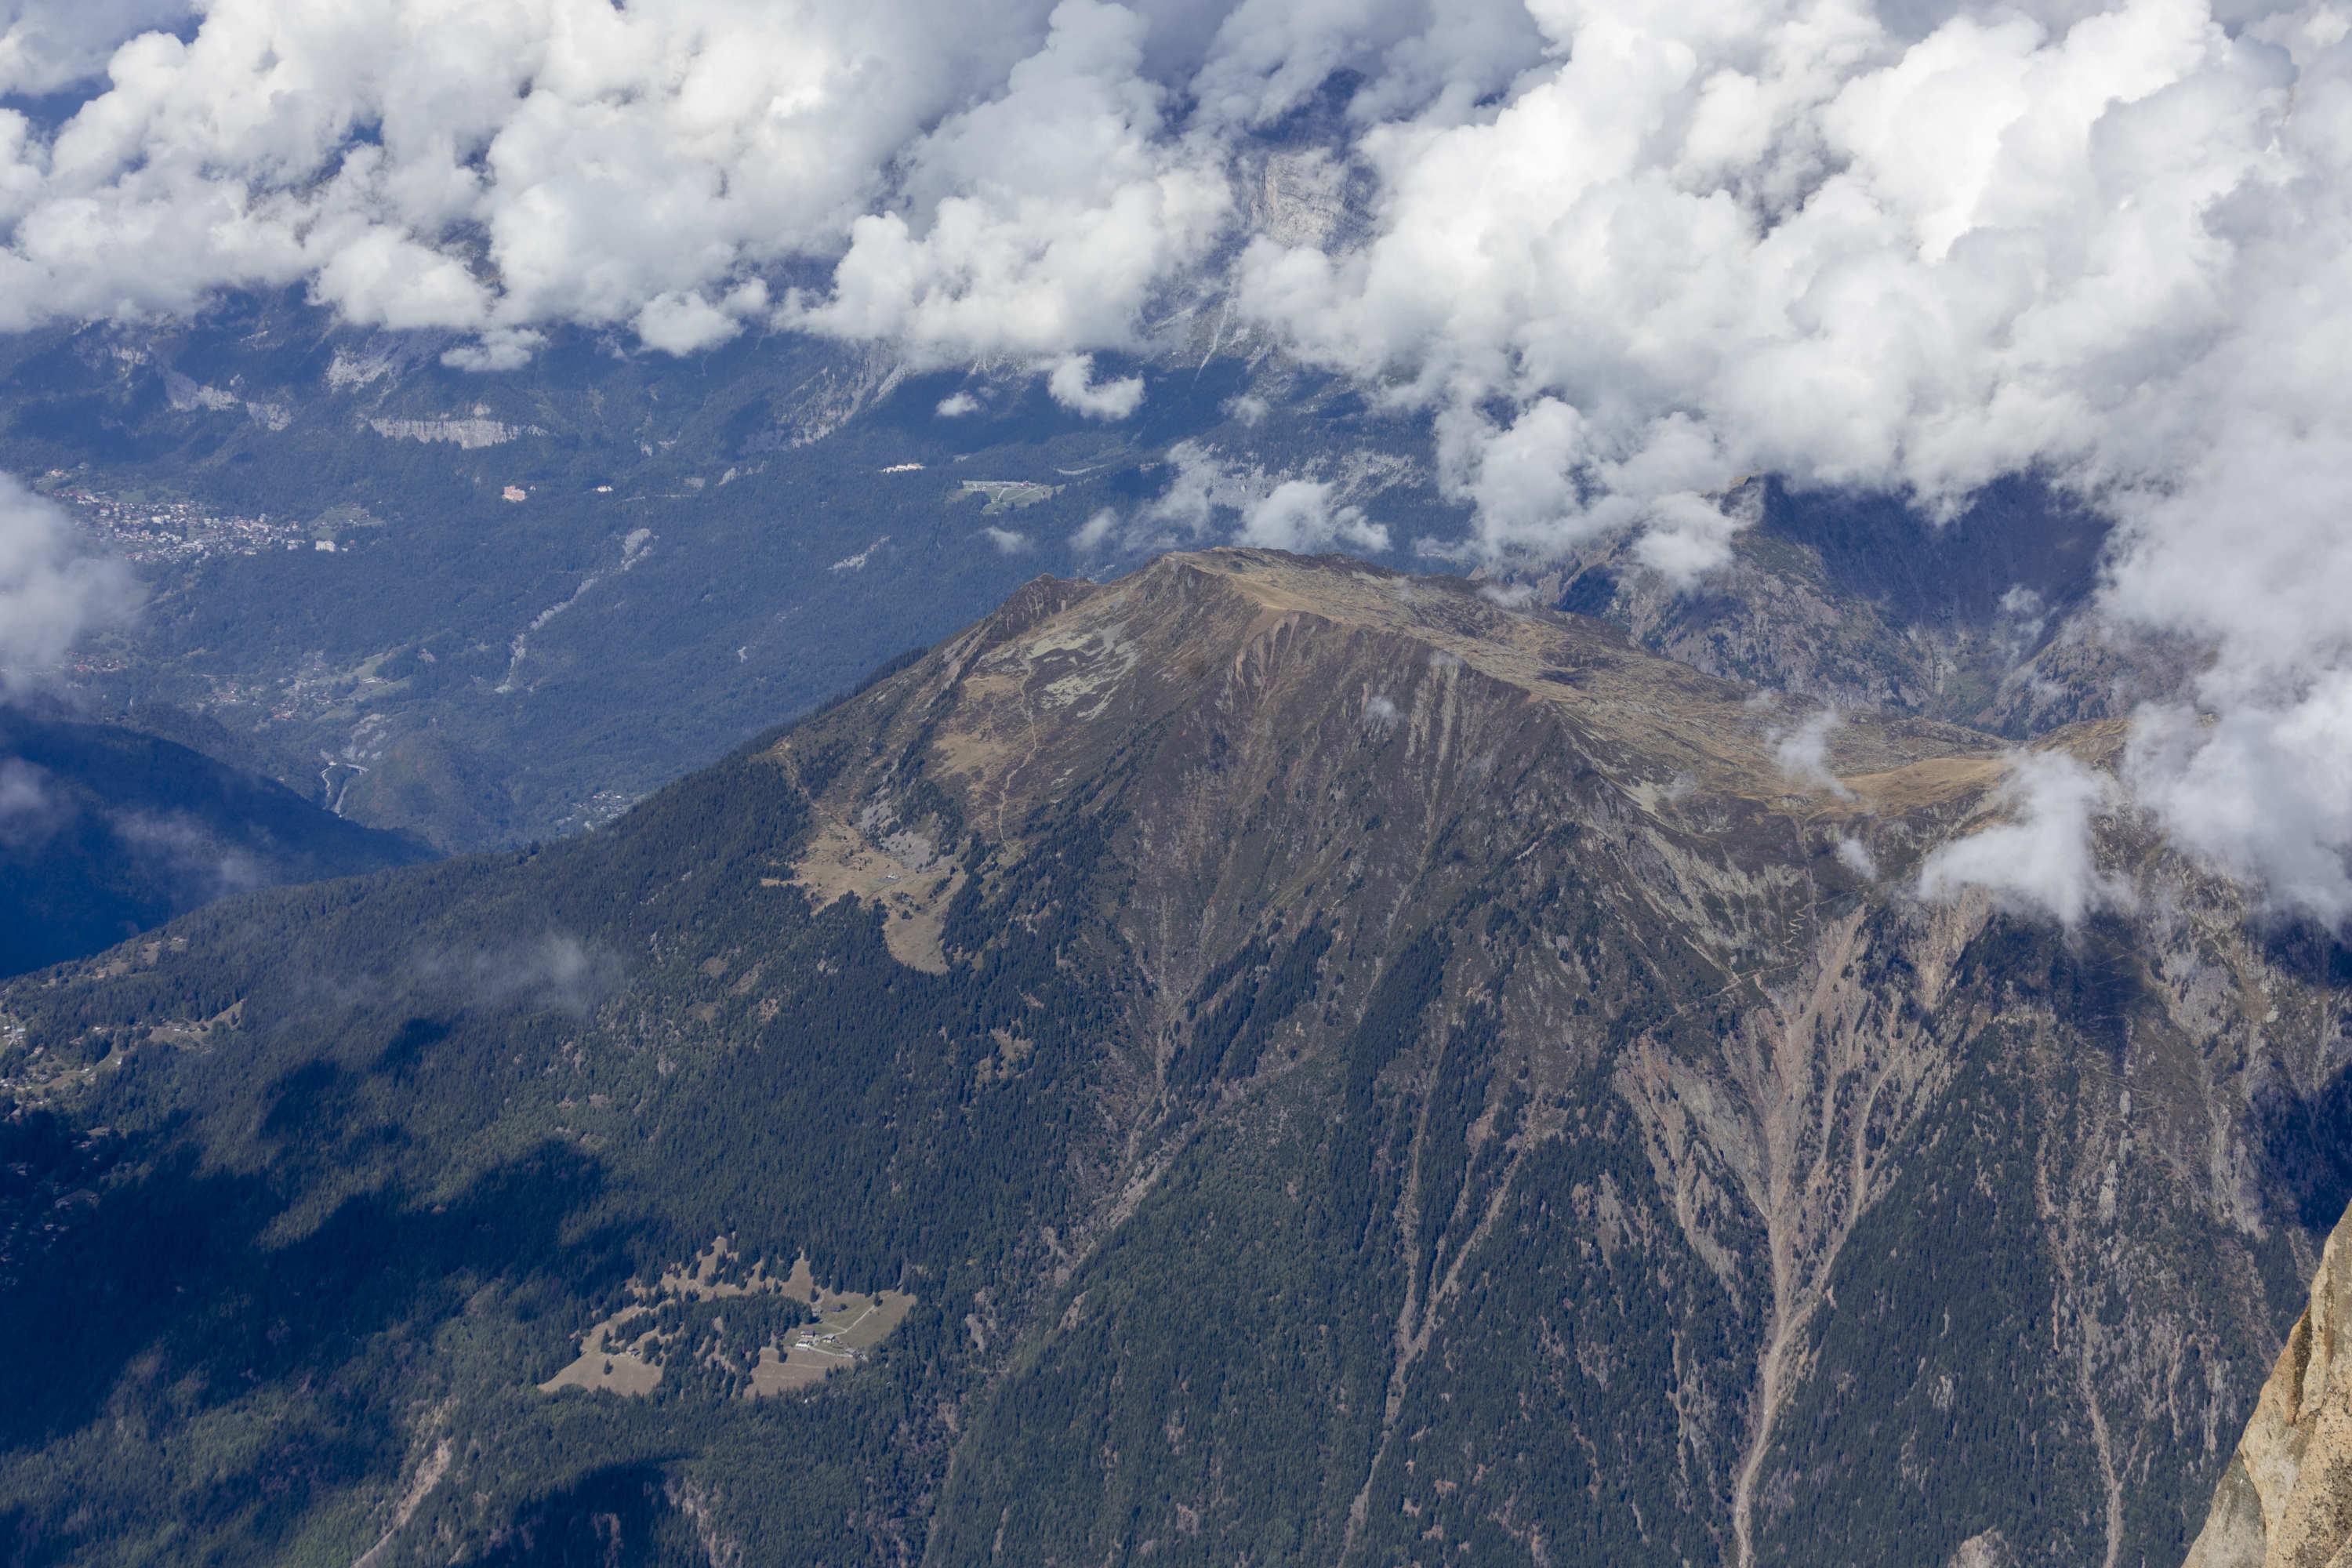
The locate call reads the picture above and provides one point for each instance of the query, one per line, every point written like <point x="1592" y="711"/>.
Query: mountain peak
<point x="1369" y="649"/>
<point x="1208" y="685"/>
<point x="1254" y="964"/>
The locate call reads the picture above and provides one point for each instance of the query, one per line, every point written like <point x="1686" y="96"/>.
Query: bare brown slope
<point x="1069" y="673"/>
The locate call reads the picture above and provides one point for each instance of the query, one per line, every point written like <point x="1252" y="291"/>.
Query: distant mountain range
<point x="1331" y="1066"/>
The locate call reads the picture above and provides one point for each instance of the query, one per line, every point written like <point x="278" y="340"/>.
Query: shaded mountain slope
<point x="1349" y="1073"/>
<point x="105" y="832"/>
<point x="1862" y="602"/>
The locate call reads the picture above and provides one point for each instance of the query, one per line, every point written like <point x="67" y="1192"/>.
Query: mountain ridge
<point x="1344" y="1070"/>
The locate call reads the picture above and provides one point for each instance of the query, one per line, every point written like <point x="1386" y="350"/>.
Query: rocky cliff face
<point x="1349" y="1071"/>
<point x="2285" y="1499"/>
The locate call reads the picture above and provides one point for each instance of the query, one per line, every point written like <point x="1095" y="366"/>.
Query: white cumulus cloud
<point x="1038" y="221"/>
<point x="52" y="589"/>
<point x="1300" y="514"/>
<point x="1803" y="753"/>
<point x="2041" y="860"/>
<point x="46" y="48"/>
<point x="1073" y="386"/>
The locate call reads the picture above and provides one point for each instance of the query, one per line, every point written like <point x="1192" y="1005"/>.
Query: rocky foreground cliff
<point x="1330" y="1067"/>
<point x="2285" y="1499"/>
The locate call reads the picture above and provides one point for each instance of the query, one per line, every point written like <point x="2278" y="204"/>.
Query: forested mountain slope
<point x="1344" y="1071"/>
<point x="105" y="831"/>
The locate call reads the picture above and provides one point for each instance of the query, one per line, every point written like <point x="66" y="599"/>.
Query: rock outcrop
<point x="2285" y="1502"/>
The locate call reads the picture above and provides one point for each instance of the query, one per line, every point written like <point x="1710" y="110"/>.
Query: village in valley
<point x="151" y="530"/>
